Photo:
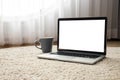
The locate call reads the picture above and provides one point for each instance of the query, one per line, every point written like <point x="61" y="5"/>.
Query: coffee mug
<point x="46" y="44"/>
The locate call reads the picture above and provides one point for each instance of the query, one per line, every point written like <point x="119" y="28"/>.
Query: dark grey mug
<point x="46" y="44"/>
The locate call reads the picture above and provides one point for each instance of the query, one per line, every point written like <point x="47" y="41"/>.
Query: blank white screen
<point x="83" y="35"/>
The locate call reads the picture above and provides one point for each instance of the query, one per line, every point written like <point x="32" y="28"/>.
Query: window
<point x="24" y="7"/>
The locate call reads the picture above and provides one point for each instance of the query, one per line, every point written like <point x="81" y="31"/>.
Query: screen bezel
<point x="84" y="18"/>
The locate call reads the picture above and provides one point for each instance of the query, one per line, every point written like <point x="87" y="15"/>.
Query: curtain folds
<point x="18" y="30"/>
<point x="93" y="8"/>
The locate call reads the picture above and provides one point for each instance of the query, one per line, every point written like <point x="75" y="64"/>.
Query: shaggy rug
<point x="21" y="63"/>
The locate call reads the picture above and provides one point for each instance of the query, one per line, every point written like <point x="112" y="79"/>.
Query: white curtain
<point x="93" y="8"/>
<point x="24" y="21"/>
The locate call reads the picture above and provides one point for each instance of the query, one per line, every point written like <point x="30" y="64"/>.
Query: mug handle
<point x="36" y="44"/>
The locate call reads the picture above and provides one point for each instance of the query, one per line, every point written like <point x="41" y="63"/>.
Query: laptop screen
<point x="82" y="34"/>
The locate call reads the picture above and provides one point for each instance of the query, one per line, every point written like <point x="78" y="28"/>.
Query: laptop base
<point x="70" y="58"/>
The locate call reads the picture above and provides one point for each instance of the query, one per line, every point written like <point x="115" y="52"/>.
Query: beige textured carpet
<point x="21" y="63"/>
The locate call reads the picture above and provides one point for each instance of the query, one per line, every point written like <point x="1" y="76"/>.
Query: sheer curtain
<point x="23" y="21"/>
<point x="92" y="8"/>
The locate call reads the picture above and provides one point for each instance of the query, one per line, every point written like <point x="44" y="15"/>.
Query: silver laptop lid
<point x="82" y="34"/>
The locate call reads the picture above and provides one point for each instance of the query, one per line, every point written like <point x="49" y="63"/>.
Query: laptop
<point x="81" y="40"/>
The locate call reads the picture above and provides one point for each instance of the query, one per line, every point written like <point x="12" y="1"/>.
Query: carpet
<point x="21" y="63"/>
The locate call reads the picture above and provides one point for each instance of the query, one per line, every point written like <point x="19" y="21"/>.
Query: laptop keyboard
<point x="78" y="55"/>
